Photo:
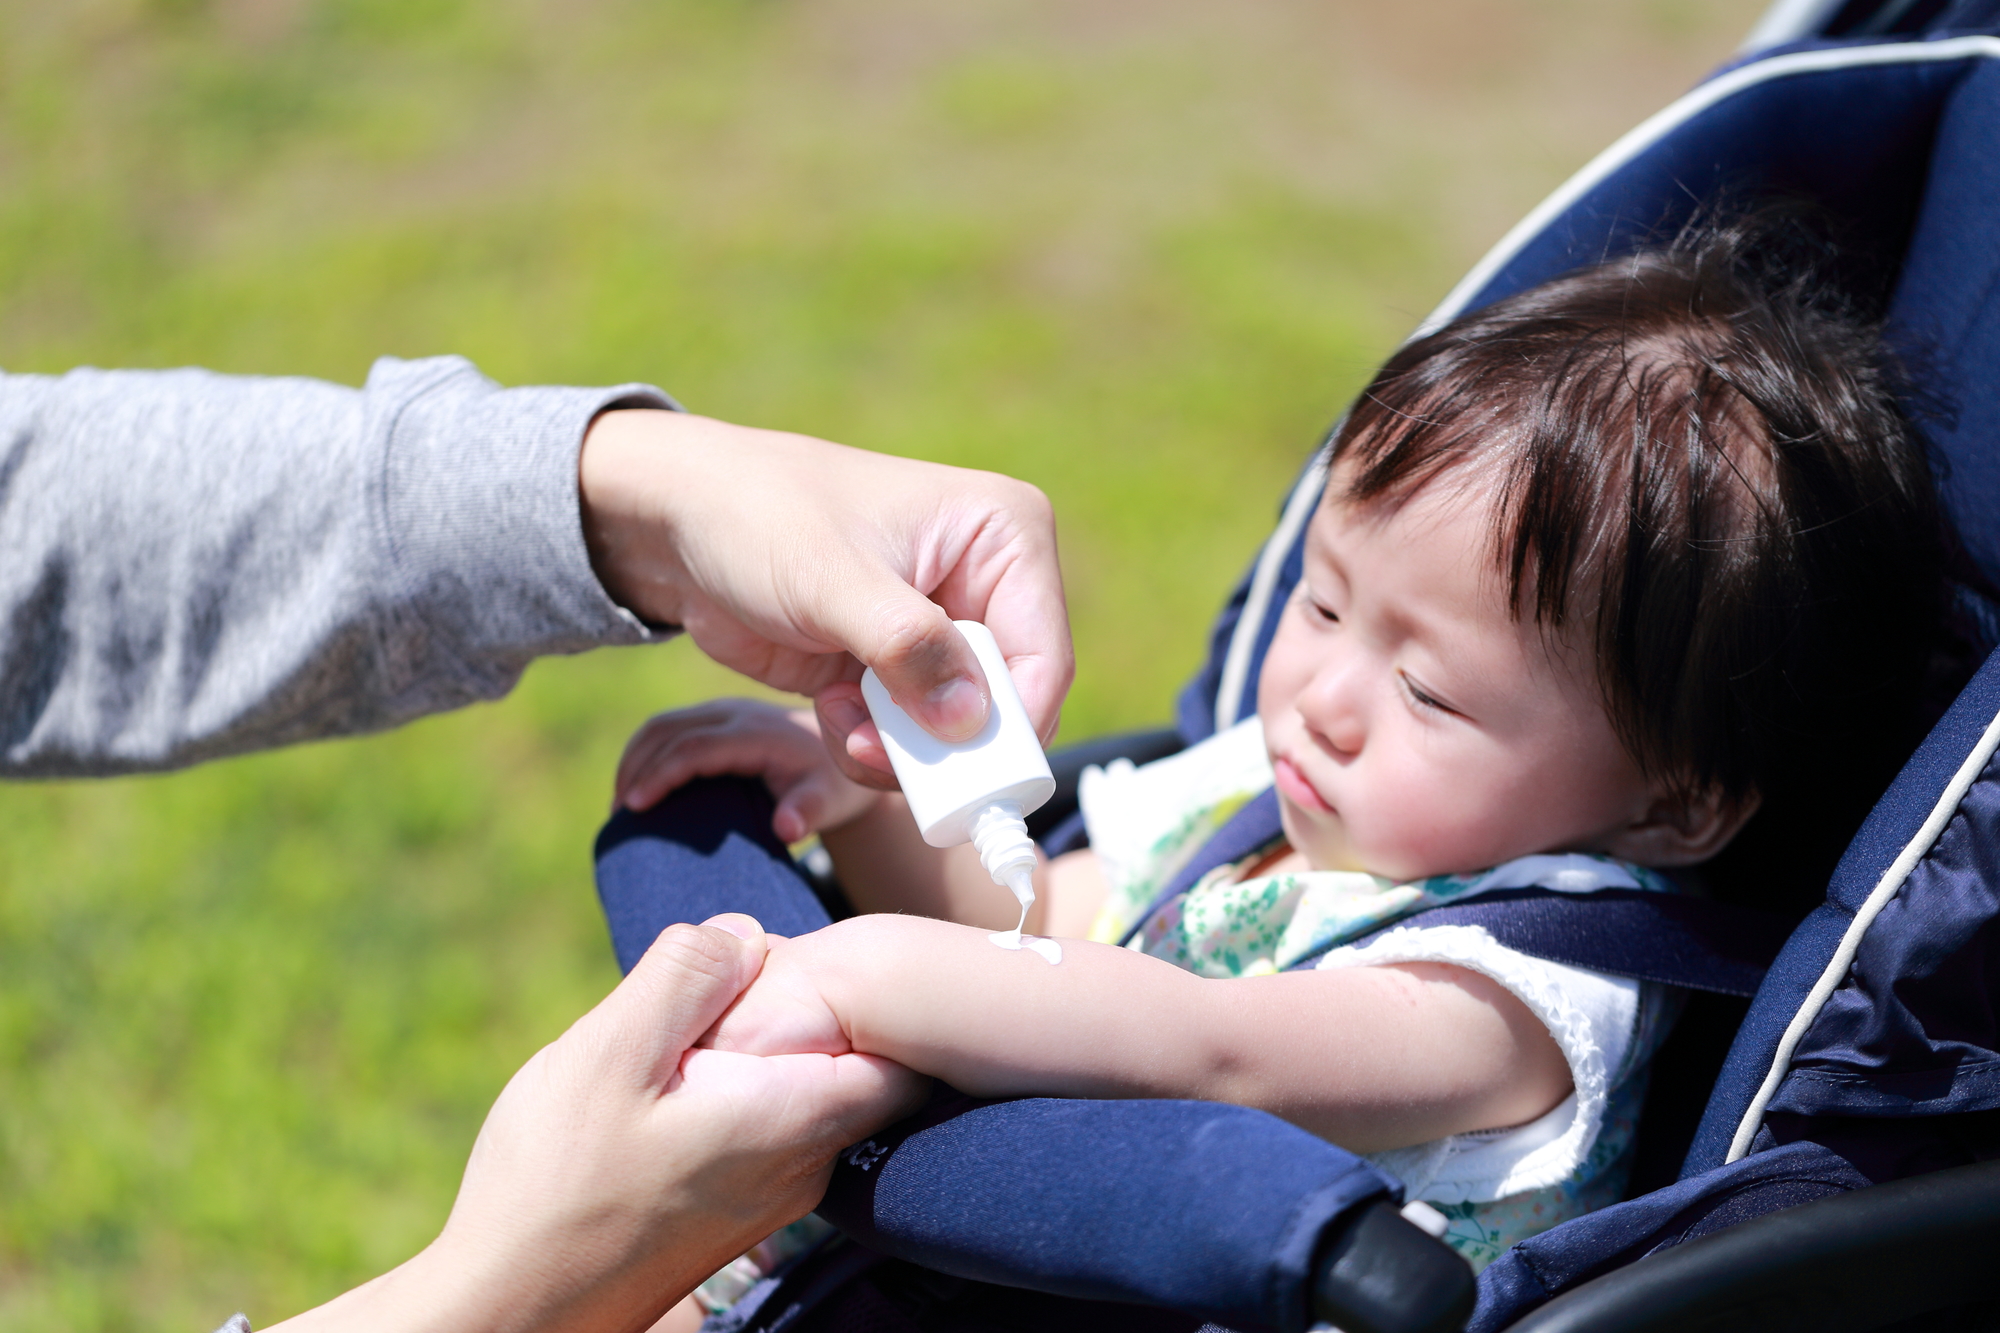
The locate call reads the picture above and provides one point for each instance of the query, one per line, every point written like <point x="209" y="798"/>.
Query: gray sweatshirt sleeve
<point x="195" y="565"/>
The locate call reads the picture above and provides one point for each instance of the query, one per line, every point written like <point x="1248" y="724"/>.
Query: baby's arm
<point x="1370" y="1058"/>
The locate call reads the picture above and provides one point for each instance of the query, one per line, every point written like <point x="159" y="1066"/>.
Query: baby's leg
<point x="703" y="849"/>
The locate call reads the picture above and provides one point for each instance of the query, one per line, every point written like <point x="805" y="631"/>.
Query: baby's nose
<point x="1335" y="708"/>
<point x="1345" y="732"/>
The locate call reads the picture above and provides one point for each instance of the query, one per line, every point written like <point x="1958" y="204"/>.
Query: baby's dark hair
<point x="1701" y="462"/>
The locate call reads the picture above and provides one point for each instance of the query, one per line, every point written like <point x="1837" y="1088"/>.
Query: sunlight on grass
<point x="251" y="1015"/>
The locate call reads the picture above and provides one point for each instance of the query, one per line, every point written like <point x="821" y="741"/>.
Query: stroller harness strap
<point x="1663" y="937"/>
<point x="1669" y="938"/>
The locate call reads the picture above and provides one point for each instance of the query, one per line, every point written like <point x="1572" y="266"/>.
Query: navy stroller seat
<point x="1871" y="1051"/>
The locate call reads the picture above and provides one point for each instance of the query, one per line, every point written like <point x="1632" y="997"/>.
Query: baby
<point x="1599" y="569"/>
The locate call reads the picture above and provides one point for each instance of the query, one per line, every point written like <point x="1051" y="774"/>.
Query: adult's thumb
<point x="858" y="1095"/>
<point x="926" y="664"/>
<point x="677" y="991"/>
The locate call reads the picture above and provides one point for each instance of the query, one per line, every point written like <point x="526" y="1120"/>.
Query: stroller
<point x="1835" y="1170"/>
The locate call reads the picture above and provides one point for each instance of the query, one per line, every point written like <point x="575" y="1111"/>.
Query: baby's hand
<point x="783" y="1011"/>
<point x="750" y="739"/>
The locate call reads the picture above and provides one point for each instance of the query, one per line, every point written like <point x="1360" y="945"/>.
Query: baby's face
<point x="1415" y="726"/>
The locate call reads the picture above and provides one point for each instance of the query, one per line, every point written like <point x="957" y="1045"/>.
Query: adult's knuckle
<point x="688" y="947"/>
<point x="906" y="637"/>
<point x="1031" y="500"/>
<point x="1017" y="497"/>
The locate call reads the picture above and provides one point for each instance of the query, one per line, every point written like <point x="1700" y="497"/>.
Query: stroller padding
<point x="1881" y="1004"/>
<point x="1099" y="1198"/>
<point x="1167" y="1205"/>
<point x="1692" y="942"/>
<point x="1946" y="313"/>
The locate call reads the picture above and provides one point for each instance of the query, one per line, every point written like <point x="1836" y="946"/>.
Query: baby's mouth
<point x="1294" y="787"/>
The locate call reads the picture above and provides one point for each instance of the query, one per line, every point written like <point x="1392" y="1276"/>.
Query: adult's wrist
<point x="422" y="1295"/>
<point x="633" y="462"/>
<point x="473" y="1286"/>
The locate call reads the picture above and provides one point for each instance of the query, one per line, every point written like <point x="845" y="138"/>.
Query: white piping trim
<point x="1657" y="126"/>
<point x="1885" y="889"/>
<point x="1236" y="666"/>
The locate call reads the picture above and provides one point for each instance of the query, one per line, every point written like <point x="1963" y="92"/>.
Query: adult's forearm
<point x="194" y="565"/>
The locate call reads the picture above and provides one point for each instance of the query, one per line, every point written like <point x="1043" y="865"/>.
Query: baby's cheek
<point x="1501" y="816"/>
<point x="1431" y="821"/>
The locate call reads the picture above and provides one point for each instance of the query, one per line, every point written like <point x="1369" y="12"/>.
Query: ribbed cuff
<point x="482" y="511"/>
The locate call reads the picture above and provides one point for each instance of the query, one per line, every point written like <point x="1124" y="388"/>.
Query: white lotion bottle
<point x="979" y="790"/>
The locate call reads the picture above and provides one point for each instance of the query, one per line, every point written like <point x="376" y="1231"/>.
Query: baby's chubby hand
<point x="750" y="739"/>
<point x="783" y="1012"/>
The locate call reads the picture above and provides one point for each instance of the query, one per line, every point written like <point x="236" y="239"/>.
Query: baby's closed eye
<point x="1424" y="698"/>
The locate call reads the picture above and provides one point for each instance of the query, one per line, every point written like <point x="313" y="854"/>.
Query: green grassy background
<point x="1139" y="253"/>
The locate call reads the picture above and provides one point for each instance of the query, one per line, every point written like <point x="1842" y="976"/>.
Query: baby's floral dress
<point x="1495" y="1187"/>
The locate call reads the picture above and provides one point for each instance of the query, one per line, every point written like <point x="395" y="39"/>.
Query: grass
<point x="251" y="1015"/>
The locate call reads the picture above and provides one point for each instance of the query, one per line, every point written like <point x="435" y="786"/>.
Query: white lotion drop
<point x="1022" y="882"/>
<point x="979" y="790"/>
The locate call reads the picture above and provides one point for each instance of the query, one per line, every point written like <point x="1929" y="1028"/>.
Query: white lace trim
<point x="1129" y="808"/>
<point x="1591" y="1017"/>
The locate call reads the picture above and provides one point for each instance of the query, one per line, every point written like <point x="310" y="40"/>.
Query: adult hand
<point x="619" y="1168"/>
<point x="798" y="562"/>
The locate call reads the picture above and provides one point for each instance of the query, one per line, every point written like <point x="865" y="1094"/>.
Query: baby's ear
<point x="1683" y="830"/>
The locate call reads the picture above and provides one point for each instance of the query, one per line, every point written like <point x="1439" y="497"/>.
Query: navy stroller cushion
<point x="1912" y="1029"/>
<point x="1945" y="317"/>
<point x="705" y="850"/>
<point x="1196" y="1206"/>
<point x="1901" y="1021"/>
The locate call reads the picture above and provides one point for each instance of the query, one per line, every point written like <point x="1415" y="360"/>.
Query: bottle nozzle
<point x="1000" y="835"/>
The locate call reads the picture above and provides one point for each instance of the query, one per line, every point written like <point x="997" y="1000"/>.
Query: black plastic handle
<point x="1378" y="1273"/>
<point x="1841" y="1265"/>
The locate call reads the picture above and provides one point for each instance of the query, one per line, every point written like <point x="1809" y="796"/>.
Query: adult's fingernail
<point x="844" y="713"/>
<point x="956" y="708"/>
<point x="735" y="923"/>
